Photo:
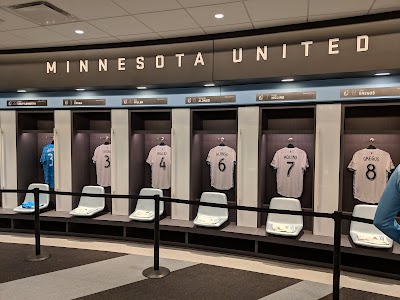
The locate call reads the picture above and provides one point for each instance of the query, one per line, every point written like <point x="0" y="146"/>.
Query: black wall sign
<point x="287" y="96"/>
<point x="210" y="99"/>
<point x="322" y="52"/>
<point x="370" y="92"/>
<point x="26" y="102"/>
<point x="144" y="101"/>
<point x="81" y="102"/>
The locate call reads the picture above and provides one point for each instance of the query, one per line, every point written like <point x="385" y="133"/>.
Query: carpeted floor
<point x="350" y="294"/>
<point x="13" y="265"/>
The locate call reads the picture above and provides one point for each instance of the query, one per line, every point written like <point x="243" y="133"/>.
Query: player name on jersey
<point x="81" y="102"/>
<point x="144" y="101"/>
<point x="210" y="99"/>
<point x="370" y="92"/>
<point x="26" y="102"/>
<point x="287" y="96"/>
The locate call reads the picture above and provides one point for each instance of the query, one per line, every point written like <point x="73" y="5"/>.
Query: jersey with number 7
<point x="290" y="164"/>
<point x="222" y="165"/>
<point x="371" y="168"/>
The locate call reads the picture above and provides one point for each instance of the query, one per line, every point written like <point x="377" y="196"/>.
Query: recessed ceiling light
<point x="219" y="16"/>
<point x="78" y="31"/>
<point x="21" y="91"/>
<point x="382" y="74"/>
<point x="287" y="80"/>
<point x="209" y="84"/>
<point x="79" y="89"/>
<point x="141" y="88"/>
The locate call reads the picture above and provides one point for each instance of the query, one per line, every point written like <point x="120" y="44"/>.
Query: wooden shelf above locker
<point x="287" y="131"/>
<point x="104" y="131"/>
<point x="220" y="132"/>
<point x="152" y="131"/>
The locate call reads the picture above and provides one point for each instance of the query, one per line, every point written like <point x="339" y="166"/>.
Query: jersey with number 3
<point x="222" y="161"/>
<point x="290" y="164"/>
<point x="47" y="160"/>
<point x="371" y="168"/>
<point x="160" y="161"/>
<point x="102" y="159"/>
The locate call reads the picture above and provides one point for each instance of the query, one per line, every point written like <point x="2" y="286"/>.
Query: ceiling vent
<point x="42" y="13"/>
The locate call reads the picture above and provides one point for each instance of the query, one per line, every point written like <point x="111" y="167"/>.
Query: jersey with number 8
<point x="160" y="161"/>
<point x="371" y="168"/>
<point x="290" y="164"/>
<point x="222" y="165"/>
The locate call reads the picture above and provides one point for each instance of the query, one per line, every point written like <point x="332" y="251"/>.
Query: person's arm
<point x="389" y="207"/>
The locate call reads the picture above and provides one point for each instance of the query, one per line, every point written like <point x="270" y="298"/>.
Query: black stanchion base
<point x="40" y="257"/>
<point x="156" y="274"/>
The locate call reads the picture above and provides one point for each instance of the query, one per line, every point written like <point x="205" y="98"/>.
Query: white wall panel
<point x="8" y="157"/>
<point x="120" y="160"/>
<point x="247" y="164"/>
<point x="327" y="164"/>
<point x="63" y="154"/>
<point x="180" y="168"/>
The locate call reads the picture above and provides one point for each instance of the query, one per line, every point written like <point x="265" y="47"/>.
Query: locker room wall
<point x="9" y="157"/>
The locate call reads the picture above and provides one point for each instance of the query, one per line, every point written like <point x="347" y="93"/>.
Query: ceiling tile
<point x="107" y="40"/>
<point x="146" y="6"/>
<point x="139" y="37"/>
<point x="228" y="28"/>
<point x="12" y="22"/>
<point x="234" y="13"/>
<point x="193" y="3"/>
<point x="40" y="35"/>
<point x="323" y="7"/>
<point x="168" y="20"/>
<point x="121" y="26"/>
<point x="181" y="33"/>
<point x="279" y="22"/>
<point x="382" y="10"/>
<point x="62" y="44"/>
<point x="68" y="30"/>
<point x="90" y="9"/>
<point x="8" y="39"/>
<point x="261" y="10"/>
<point x="395" y="4"/>
<point x="336" y="16"/>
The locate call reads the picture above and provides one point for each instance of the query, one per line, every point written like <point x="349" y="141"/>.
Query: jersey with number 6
<point x="290" y="164"/>
<point x="102" y="159"/>
<point x="160" y="161"/>
<point x="222" y="165"/>
<point x="47" y="160"/>
<point x="371" y="168"/>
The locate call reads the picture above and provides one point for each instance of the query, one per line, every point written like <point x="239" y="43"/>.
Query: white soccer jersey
<point x="102" y="159"/>
<point x="222" y="165"/>
<point x="290" y="164"/>
<point x="160" y="161"/>
<point x="371" y="168"/>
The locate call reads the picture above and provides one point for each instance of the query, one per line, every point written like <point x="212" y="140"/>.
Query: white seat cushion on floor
<point x="44" y="199"/>
<point x="145" y="208"/>
<point x="367" y="235"/>
<point x="281" y="224"/>
<point x="89" y="206"/>
<point x="212" y="216"/>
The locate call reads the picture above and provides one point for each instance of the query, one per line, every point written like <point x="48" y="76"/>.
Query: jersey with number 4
<point x="290" y="164"/>
<point x="102" y="159"/>
<point x="371" y="168"/>
<point x="160" y="161"/>
<point x="222" y="161"/>
<point x="47" y="160"/>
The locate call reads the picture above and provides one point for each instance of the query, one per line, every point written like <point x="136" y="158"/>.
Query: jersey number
<point x="162" y="163"/>
<point x="221" y="165"/>
<point x="371" y="174"/>
<point x="51" y="159"/>
<point x="107" y="160"/>
<point x="290" y="168"/>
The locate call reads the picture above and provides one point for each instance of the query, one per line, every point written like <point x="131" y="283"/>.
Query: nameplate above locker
<point x="370" y="92"/>
<point x="26" y="102"/>
<point x="144" y="101"/>
<point x="210" y="99"/>
<point x="287" y="96"/>
<point x="83" y="102"/>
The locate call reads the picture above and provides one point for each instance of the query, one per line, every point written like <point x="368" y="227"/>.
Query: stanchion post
<point x="38" y="256"/>
<point x="156" y="271"/>
<point x="337" y="254"/>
